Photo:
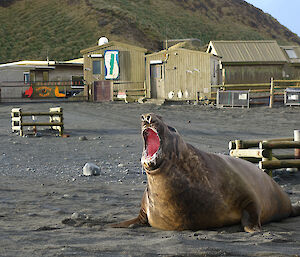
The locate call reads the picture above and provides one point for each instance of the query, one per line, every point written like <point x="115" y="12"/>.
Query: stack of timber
<point x="262" y="93"/>
<point x="55" y="122"/>
<point x="261" y="151"/>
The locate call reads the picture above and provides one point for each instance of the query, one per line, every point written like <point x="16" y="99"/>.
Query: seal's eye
<point x="148" y="118"/>
<point x="152" y="142"/>
<point x="172" y="129"/>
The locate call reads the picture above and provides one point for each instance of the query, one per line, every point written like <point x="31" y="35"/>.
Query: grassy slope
<point x="31" y="28"/>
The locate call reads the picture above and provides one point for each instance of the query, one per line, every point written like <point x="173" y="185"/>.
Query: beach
<point x="48" y="208"/>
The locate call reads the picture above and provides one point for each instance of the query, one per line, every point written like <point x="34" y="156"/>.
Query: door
<point x="157" y="81"/>
<point x="103" y="91"/>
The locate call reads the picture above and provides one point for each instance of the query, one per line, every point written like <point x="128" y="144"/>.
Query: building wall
<point x="186" y="72"/>
<point x="65" y="73"/>
<point x="60" y="73"/>
<point x="12" y="74"/>
<point x="244" y="74"/>
<point x="15" y="75"/>
<point x="292" y="72"/>
<point x="216" y="71"/>
<point x="131" y="64"/>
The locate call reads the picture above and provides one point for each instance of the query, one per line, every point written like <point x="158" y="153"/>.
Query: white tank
<point x="102" y="41"/>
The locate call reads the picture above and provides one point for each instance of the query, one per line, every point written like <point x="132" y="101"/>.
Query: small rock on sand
<point x="83" y="138"/>
<point x="78" y="215"/>
<point x="91" y="169"/>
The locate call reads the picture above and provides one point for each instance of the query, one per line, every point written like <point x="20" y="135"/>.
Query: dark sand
<point x="41" y="184"/>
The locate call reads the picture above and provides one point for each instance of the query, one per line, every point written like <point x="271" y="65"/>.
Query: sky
<point x="285" y="11"/>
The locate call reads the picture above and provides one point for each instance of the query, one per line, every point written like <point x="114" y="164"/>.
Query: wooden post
<point x="271" y="93"/>
<point x="16" y="120"/>
<point x="56" y="115"/>
<point x="223" y="76"/>
<point x="297" y="139"/>
<point x="197" y="97"/>
<point x="267" y="157"/>
<point x="238" y="144"/>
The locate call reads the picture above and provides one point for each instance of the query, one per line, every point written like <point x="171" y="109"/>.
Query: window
<point x="291" y="53"/>
<point x="96" y="67"/>
<point x="26" y="77"/>
<point x="159" y="72"/>
<point x="215" y="69"/>
<point x="45" y="75"/>
<point x="32" y="76"/>
<point x="156" y="71"/>
<point x="77" y="82"/>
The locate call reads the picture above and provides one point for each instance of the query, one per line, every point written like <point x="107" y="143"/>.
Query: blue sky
<point x="285" y="11"/>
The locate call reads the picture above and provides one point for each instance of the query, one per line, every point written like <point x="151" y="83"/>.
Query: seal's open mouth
<point x="152" y="142"/>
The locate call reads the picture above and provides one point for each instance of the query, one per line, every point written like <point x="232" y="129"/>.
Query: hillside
<point x="59" y="29"/>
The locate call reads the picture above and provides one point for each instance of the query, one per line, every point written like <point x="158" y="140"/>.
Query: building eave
<point x="253" y="63"/>
<point x="109" y="44"/>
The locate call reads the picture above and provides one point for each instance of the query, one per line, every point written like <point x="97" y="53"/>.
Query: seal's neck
<point x="162" y="167"/>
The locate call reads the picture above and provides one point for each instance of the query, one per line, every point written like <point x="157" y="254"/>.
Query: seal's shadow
<point x="85" y="222"/>
<point x="97" y="223"/>
<point x="229" y="229"/>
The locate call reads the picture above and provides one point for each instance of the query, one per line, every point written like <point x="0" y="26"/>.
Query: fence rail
<point x="263" y="152"/>
<point x="274" y="91"/>
<point x="40" y="90"/>
<point x="128" y="91"/>
<point x="55" y="115"/>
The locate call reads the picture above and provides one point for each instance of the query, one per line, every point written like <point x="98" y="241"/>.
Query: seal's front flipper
<point x="250" y="219"/>
<point x="141" y="220"/>
<point x="295" y="209"/>
<point x="252" y="229"/>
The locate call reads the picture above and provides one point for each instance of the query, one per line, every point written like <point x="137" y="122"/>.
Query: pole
<point x="271" y="93"/>
<point x="297" y="150"/>
<point x="297" y="138"/>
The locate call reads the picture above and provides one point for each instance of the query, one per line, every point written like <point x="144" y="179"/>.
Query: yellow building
<point x="179" y="74"/>
<point x="114" y="64"/>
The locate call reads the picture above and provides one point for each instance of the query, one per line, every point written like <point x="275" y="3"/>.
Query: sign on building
<point x="111" y="61"/>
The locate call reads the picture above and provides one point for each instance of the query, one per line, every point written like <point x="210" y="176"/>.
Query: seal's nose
<point x="146" y="118"/>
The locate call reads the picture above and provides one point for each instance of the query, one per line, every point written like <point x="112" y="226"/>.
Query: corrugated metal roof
<point x="75" y="61"/>
<point x="175" y="48"/>
<point x="28" y="63"/>
<point x="111" y="43"/>
<point x="41" y="64"/>
<point x="248" y="51"/>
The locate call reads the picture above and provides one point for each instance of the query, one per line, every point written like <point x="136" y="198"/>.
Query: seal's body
<point x="189" y="189"/>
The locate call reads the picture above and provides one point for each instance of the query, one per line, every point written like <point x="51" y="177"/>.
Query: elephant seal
<point x="189" y="189"/>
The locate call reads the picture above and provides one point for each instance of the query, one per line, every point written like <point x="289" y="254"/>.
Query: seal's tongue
<point x="152" y="142"/>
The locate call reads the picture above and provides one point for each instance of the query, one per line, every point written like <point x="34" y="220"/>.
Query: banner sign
<point x="111" y="61"/>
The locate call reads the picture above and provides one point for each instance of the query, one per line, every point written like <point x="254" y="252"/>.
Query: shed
<point x="249" y="61"/>
<point x="121" y="64"/>
<point x="16" y="77"/>
<point x="38" y="71"/>
<point x="179" y="74"/>
<point x="292" y="53"/>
